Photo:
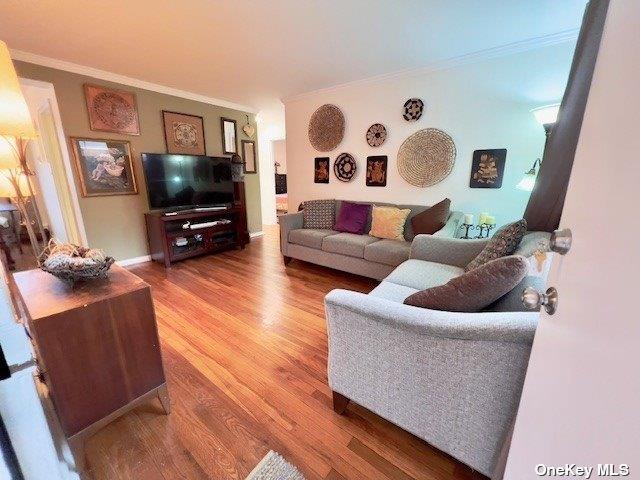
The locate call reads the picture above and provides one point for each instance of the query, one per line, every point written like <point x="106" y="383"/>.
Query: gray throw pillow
<point x="474" y="290"/>
<point x="504" y="242"/>
<point x="319" y="214"/>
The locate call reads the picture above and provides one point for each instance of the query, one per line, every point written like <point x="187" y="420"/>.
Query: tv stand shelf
<point x="169" y="242"/>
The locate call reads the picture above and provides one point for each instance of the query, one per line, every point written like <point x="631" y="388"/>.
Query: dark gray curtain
<point x="547" y="199"/>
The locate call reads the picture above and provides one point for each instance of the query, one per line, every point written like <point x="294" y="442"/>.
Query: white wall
<point x="481" y="105"/>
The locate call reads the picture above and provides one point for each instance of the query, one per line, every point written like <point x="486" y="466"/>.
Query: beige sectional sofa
<point x="360" y="254"/>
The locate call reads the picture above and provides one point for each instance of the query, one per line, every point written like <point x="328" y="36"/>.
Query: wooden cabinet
<point x="96" y="345"/>
<point x="170" y="242"/>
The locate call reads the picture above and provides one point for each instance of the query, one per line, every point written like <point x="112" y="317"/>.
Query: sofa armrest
<point x="450" y="251"/>
<point x="512" y="327"/>
<point x="450" y="228"/>
<point x="288" y="222"/>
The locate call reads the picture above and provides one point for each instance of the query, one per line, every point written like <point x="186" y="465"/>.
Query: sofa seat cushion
<point x="392" y="291"/>
<point x="309" y="237"/>
<point x="349" y="244"/>
<point x="420" y="274"/>
<point x="389" y="252"/>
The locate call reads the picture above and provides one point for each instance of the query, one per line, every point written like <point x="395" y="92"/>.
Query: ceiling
<point x="257" y="52"/>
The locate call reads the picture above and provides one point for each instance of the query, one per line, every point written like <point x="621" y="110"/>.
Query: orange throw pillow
<point x="388" y="222"/>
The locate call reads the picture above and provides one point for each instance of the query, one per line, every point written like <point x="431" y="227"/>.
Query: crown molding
<point x="466" y="59"/>
<point x="124" y="80"/>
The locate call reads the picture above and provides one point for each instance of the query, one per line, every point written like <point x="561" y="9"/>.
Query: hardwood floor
<point x="245" y="350"/>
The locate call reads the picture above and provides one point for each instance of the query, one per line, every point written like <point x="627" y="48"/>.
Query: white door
<point x="581" y="397"/>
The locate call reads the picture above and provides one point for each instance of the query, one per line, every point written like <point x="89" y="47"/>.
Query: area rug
<point x="274" y="467"/>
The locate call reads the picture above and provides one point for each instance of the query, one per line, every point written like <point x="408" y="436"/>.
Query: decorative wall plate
<point x="112" y="110"/>
<point x="376" y="135"/>
<point x="249" y="130"/>
<point x="326" y="128"/>
<point x="413" y="109"/>
<point x="344" y="167"/>
<point x="426" y="157"/>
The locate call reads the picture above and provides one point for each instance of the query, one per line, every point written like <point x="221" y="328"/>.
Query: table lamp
<point x="16" y="129"/>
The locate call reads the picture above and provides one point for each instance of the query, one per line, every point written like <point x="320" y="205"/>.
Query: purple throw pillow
<point x="352" y="217"/>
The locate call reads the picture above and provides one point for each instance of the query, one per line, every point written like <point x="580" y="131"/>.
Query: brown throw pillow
<point x="503" y="243"/>
<point x="432" y="219"/>
<point x="474" y="290"/>
<point x="319" y="214"/>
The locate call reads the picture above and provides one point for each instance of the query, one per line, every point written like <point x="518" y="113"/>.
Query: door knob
<point x="533" y="299"/>
<point x="560" y="241"/>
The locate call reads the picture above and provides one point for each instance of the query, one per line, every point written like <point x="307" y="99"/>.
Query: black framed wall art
<point x="487" y="168"/>
<point x="377" y="171"/>
<point x="321" y="169"/>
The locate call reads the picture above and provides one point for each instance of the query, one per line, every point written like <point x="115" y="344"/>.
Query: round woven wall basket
<point x="326" y="128"/>
<point x="426" y="157"/>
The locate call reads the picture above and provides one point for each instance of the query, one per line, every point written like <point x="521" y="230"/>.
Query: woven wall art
<point x="412" y="109"/>
<point x="426" y="157"/>
<point x="376" y="135"/>
<point x="326" y="128"/>
<point x="344" y="167"/>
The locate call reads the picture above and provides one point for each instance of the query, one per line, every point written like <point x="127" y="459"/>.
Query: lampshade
<point x="527" y="183"/>
<point x="8" y="158"/>
<point x="529" y="179"/>
<point x="6" y="186"/>
<point x="15" y="120"/>
<point x="546" y="115"/>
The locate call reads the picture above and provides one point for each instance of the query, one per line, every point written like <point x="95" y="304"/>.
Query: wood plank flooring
<point x="245" y="349"/>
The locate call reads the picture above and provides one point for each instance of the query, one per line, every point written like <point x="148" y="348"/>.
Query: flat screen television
<point x="187" y="181"/>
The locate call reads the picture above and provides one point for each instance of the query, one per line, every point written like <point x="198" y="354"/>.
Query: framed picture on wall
<point x="487" y="168"/>
<point x="321" y="170"/>
<point x="110" y="110"/>
<point x="183" y="133"/>
<point x="104" y="167"/>
<point x="377" y="171"/>
<point x="229" y="145"/>
<point x="249" y="156"/>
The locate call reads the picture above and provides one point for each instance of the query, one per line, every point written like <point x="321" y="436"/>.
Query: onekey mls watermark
<point x="572" y="470"/>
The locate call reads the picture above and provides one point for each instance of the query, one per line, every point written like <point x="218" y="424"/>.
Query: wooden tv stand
<point x="165" y="231"/>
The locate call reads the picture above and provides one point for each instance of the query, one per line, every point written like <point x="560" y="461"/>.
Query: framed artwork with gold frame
<point x="104" y="166"/>
<point x="111" y="110"/>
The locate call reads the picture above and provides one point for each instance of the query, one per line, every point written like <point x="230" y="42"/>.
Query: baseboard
<point x="256" y="234"/>
<point x="133" y="261"/>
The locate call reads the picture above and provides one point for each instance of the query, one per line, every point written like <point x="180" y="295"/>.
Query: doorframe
<point x="78" y="221"/>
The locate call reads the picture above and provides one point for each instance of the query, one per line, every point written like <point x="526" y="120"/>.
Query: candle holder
<point x="467" y="227"/>
<point x="485" y="230"/>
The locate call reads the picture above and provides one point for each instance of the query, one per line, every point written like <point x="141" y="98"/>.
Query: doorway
<point x="280" y="166"/>
<point x="54" y="202"/>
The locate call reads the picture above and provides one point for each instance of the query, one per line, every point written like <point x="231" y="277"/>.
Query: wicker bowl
<point x="73" y="263"/>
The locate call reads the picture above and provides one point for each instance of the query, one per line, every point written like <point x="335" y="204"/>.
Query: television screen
<point x="187" y="180"/>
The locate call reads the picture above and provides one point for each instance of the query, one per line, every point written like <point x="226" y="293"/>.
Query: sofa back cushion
<point x="504" y="242"/>
<point x="352" y="217"/>
<point x="476" y="289"/>
<point x="388" y="222"/>
<point x="432" y="219"/>
<point x="408" y="229"/>
<point x="319" y="214"/>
